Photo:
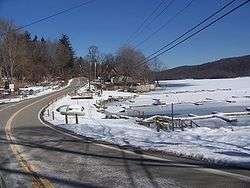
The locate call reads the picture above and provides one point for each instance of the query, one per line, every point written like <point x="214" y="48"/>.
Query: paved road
<point x="3" y="106"/>
<point x="34" y="155"/>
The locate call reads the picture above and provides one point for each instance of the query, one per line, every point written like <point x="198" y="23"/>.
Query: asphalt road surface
<point x="33" y="154"/>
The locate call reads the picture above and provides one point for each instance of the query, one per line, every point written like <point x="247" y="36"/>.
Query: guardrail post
<point x="76" y="119"/>
<point x="157" y="127"/>
<point x="172" y="116"/>
<point x="66" y="119"/>
<point x="181" y="124"/>
<point x="53" y="115"/>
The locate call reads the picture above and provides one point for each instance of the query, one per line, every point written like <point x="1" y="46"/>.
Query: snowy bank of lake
<point x="215" y="140"/>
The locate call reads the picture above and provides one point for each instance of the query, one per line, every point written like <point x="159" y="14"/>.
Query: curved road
<point x="33" y="154"/>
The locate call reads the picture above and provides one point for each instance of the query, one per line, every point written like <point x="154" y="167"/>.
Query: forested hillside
<point x="223" y="68"/>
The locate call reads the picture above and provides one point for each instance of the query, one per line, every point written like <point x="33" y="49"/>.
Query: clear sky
<point x="108" y="23"/>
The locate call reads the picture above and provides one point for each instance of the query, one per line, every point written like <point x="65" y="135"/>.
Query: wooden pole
<point x="157" y="127"/>
<point x="76" y="119"/>
<point x="182" y="127"/>
<point x="53" y="115"/>
<point x="66" y="118"/>
<point x="172" y="116"/>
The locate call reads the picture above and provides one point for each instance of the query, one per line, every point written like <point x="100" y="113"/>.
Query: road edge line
<point x="209" y="170"/>
<point x="37" y="181"/>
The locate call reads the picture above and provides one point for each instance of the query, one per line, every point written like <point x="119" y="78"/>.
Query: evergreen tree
<point x="27" y="36"/>
<point x="65" y="56"/>
<point x="35" y="39"/>
<point x="43" y="40"/>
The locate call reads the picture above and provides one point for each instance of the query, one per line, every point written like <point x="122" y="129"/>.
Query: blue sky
<point x="108" y="24"/>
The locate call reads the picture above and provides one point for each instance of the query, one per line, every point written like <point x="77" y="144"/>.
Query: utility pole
<point x="93" y="54"/>
<point x="89" y="73"/>
<point x="95" y="71"/>
<point x="102" y="78"/>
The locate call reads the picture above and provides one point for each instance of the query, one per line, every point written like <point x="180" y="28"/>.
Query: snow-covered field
<point x="38" y="91"/>
<point x="215" y="141"/>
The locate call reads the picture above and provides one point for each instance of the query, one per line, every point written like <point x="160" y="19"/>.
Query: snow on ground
<point x="215" y="141"/>
<point x="203" y="90"/>
<point x="38" y="91"/>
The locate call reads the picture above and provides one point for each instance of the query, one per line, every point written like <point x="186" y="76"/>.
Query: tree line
<point x="24" y="58"/>
<point x="224" y="68"/>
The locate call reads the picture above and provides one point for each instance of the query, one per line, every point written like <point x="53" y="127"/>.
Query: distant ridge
<point x="223" y="68"/>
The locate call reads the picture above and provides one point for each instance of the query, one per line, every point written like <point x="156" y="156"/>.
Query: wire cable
<point x="165" y="24"/>
<point x="145" y="20"/>
<point x="154" y="18"/>
<point x="200" y="30"/>
<point x="148" y="58"/>
<point x="53" y="15"/>
<point x="193" y="28"/>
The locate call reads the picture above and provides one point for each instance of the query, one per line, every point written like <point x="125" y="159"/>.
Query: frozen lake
<point x="220" y="95"/>
<point x="182" y="110"/>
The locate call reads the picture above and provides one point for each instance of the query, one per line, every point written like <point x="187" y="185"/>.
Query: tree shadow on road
<point x="51" y="142"/>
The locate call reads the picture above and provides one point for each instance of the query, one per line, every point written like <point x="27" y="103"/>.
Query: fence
<point x="172" y="124"/>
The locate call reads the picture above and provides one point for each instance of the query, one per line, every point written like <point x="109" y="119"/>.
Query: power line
<point x="166" y="23"/>
<point x="194" y="27"/>
<point x="200" y="30"/>
<point x="154" y="18"/>
<point x="145" y="20"/>
<point x="53" y="15"/>
<point x="147" y="59"/>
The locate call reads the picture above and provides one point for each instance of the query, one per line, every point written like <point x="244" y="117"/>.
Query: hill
<point x="223" y="68"/>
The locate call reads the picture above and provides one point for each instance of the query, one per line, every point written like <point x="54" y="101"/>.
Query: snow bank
<point x="215" y="140"/>
<point x="38" y="91"/>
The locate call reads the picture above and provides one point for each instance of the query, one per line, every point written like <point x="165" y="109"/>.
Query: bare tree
<point x="108" y="67"/>
<point x="156" y="66"/>
<point x="129" y="64"/>
<point x="24" y="58"/>
<point x="9" y="48"/>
